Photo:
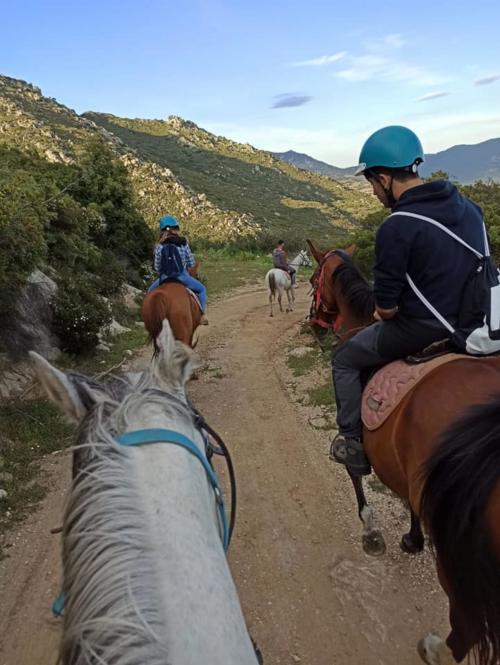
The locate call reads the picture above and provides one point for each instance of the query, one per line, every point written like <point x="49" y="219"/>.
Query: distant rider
<point x="170" y="234"/>
<point x="280" y="260"/>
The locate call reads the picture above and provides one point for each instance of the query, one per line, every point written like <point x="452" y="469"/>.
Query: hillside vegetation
<point x="282" y="199"/>
<point x="78" y="193"/>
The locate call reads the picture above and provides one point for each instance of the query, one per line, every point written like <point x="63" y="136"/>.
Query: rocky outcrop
<point x="29" y="328"/>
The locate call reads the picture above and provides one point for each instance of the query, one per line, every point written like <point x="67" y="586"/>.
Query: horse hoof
<point x="433" y="651"/>
<point x="422" y="651"/>
<point x="373" y="543"/>
<point x="410" y="546"/>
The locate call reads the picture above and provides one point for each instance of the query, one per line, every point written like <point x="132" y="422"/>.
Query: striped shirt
<point x="187" y="258"/>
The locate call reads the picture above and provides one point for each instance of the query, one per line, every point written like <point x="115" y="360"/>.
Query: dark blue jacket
<point x="438" y="265"/>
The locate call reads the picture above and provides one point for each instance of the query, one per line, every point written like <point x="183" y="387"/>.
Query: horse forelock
<point x="110" y="580"/>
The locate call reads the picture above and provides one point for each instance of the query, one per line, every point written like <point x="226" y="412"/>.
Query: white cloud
<point x="395" y="40"/>
<point x="487" y="80"/>
<point x="385" y="44"/>
<point x="341" y="148"/>
<point x="322" y="60"/>
<point x="440" y="131"/>
<point x="372" y="67"/>
<point x="432" y="95"/>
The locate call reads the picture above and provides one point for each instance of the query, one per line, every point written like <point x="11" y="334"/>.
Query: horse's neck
<point x="351" y="322"/>
<point x="295" y="262"/>
<point x="204" y="622"/>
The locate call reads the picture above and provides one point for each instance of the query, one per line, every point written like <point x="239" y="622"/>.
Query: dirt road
<point x="309" y="593"/>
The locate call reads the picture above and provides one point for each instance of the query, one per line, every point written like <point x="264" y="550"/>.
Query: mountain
<point x="221" y="190"/>
<point x="463" y="163"/>
<point x="303" y="161"/>
<point x="466" y="163"/>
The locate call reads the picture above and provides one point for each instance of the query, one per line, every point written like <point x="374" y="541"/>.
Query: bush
<point x="79" y="314"/>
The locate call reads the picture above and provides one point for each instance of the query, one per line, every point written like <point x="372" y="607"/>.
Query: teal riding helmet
<point x="168" y="222"/>
<point x="393" y="147"/>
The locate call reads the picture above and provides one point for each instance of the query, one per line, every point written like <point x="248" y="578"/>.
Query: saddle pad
<point x="389" y="385"/>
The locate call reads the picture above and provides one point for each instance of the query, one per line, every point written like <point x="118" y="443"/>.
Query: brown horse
<point x="447" y="469"/>
<point x="172" y="301"/>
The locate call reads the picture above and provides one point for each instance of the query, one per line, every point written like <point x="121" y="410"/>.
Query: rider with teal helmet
<point x="406" y="245"/>
<point x="170" y="234"/>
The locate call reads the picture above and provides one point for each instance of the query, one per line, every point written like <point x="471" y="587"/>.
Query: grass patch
<point x="30" y="430"/>
<point x="301" y="365"/>
<point x="321" y="395"/>
<point x="221" y="270"/>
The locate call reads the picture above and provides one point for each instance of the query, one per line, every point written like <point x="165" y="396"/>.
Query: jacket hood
<point x="439" y="199"/>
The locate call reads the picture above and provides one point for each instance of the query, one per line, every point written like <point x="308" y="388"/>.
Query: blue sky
<point x="314" y="76"/>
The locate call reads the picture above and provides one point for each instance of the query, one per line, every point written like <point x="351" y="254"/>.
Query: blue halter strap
<point x="143" y="436"/>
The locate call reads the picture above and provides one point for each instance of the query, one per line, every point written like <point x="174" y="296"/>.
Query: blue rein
<point x="142" y="436"/>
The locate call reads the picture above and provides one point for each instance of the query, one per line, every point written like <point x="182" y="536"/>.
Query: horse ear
<point x="71" y="399"/>
<point x="351" y="250"/>
<point x="175" y="362"/>
<point x="315" y="251"/>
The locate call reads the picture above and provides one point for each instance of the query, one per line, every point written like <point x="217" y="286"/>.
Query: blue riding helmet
<point x="393" y="147"/>
<point x="168" y="222"/>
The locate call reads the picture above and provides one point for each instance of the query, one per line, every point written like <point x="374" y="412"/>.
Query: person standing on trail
<point x="280" y="260"/>
<point x="173" y="257"/>
<point x="409" y="245"/>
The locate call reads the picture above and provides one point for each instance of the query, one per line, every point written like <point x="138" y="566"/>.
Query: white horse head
<point x="145" y="574"/>
<point x="302" y="259"/>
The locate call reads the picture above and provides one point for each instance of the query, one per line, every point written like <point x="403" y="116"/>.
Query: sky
<point x="312" y="76"/>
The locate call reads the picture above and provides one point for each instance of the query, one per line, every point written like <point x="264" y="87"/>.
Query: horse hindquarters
<point x="461" y="508"/>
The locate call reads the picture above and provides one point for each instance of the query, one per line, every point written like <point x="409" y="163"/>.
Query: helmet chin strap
<point x="391" y="199"/>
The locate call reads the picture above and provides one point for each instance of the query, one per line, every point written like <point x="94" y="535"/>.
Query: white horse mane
<point x="113" y="613"/>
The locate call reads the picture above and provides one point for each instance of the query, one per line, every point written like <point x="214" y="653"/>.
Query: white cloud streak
<point x="373" y="67"/>
<point x="433" y="95"/>
<point x="487" y="80"/>
<point x="341" y="148"/>
<point x="321" y="61"/>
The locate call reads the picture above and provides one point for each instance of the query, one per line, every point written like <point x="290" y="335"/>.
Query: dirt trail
<point x="309" y="592"/>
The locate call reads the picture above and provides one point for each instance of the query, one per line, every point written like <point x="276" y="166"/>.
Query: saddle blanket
<point x="392" y="383"/>
<point x="194" y="297"/>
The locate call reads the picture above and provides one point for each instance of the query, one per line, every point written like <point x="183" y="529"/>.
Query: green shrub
<point x="79" y="314"/>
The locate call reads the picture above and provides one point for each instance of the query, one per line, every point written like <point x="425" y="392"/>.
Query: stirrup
<point x="350" y="452"/>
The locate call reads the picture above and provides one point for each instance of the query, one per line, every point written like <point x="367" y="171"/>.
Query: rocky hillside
<point x="222" y="191"/>
<point x="280" y="198"/>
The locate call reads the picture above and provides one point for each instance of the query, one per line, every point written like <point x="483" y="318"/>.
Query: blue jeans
<point x="191" y="283"/>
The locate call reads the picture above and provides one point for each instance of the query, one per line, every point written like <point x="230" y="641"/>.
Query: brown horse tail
<point x="154" y="311"/>
<point x="272" y="284"/>
<point x="457" y="508"/>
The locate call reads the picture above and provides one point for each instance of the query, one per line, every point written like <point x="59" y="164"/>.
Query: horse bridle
<point x="318" y="304"/>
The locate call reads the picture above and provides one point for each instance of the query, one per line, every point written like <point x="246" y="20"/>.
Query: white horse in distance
<point x="146" y="578"/>
<point x="278" y="280"/>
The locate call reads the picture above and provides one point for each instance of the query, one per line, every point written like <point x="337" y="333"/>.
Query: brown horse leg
<point x="413" y="541"/>
<point x="372" y="539"/>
